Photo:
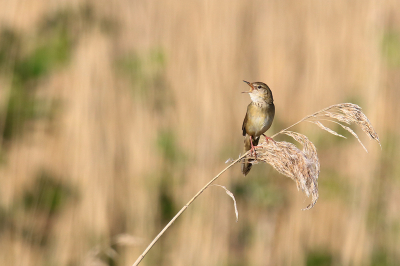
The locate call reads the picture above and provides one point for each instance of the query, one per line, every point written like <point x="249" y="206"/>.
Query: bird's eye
<point x="259" y="87"/>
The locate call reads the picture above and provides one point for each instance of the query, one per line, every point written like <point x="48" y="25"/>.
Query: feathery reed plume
<point x="300" y="165"/>
<point x="347" y="113"/>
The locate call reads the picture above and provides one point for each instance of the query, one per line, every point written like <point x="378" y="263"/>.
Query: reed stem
<point x="183" y="209"/>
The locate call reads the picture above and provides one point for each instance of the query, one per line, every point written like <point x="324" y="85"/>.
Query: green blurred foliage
<point x="43" y="59"/>
<point x="388" y="173"/>
<point x="30" y="57"/>
<point x="168" y="147"/>
<point x="3" y="218"/>
<point x="391" y="48"/>
<point x="146" y="73"/>
<point x="245" y="235"/>
<point x="10" y="43"/>
<point x="390" y="168"/>
<point x="239" y="242"/>
<point x="381" y="257"/>
<point x="143" y="68"/>
<point x="168" y="207"/>
<point x="51" y="48"/>
<point x="108" y="256"/>
<point x="68" y="20"/>
<point x="263" y="188"/>
<point x="20" y="108"/>
<point x="319" y="258"/>
<point x="173" y="158"/>
<point x="47" y="194"/>
<point x="32" y="213"/>
<point x="333" y="185"/>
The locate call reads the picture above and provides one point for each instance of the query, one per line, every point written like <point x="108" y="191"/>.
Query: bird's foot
<point x="268" y="139"/>
<point x="253" y="152"/>
<point x="253" y="149"/>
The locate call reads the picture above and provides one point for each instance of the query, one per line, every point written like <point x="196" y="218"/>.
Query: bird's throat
<point x="258" y="101"/>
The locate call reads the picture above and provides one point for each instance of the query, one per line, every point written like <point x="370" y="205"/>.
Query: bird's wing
<point x="244" y="125"/>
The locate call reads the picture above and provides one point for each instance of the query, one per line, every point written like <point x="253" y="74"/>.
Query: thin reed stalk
<point x="184" y="208"/>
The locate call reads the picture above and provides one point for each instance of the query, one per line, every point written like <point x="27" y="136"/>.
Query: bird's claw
<point x="267" y="139"/>
<point x="253" y="152"/>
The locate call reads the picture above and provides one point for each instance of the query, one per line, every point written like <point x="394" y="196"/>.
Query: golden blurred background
<point x="113" y="114"/>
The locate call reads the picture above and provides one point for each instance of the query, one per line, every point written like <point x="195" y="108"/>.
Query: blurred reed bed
<point x="112" y="114"/>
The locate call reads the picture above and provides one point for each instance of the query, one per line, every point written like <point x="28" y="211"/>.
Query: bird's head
<point x="259" y="92"/>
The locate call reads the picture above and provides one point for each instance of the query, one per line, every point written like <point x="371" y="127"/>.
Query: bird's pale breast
<point x="259" y="119"/>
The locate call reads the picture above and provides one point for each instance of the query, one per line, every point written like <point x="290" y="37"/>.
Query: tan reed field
<point x="115" y="113"/>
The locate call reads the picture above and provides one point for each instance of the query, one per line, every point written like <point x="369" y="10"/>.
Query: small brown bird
<point x="259" y="116"/>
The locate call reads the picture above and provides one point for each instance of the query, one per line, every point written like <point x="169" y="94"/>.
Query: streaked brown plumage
<point x="259" y="116"/>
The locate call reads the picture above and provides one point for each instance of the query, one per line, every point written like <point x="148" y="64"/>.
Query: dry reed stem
<point x="184" y="208"/>
<point x="302" y="166"/>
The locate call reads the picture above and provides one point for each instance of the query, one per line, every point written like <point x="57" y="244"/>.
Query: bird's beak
<point x="251" y="87"/>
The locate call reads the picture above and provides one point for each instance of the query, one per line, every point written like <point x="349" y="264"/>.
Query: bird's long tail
<point x="246" y="163"/>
